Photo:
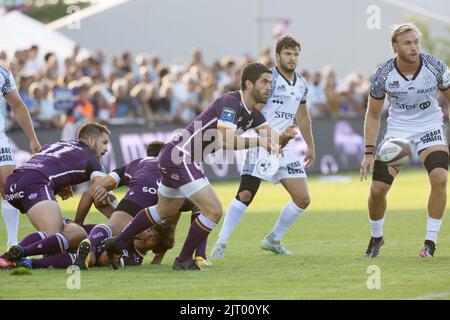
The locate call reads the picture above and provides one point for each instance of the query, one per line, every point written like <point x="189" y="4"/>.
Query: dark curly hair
<point x="165" y="237"/>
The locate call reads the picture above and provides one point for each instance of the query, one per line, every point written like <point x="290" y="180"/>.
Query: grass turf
<point x="328" y="242"/>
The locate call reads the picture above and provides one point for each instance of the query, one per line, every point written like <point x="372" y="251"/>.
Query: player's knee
<point x="302" y="202"/>
<point x="381" y="173"/>
<point x="438" y="180"/>
<point x="378" y="191"/>
<point x="436" y="159"/>
<point x="245" y="196"/>
<point x="74" y="234"/>
<point x="214" y="213"/>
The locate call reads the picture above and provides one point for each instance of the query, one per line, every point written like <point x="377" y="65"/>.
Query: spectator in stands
<point x="34" y="65"/>
<point x="351" y="100"/>
<point x="317" y="100"/>
<point x="329" y="87"/>
<point x="124" y="106"/>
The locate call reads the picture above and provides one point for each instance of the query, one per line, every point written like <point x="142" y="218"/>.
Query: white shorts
<point x="261" y="164"/>
<point x="6" y="152"/>
<point x="419" y="139"/>
<point x="185" y="191"/>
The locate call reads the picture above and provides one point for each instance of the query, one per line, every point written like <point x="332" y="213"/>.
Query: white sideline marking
<point x="432" y="295"/>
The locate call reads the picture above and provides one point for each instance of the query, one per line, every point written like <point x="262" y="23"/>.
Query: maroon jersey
<point x="64" y="163"/>
<point x="228" y="111"/>
<point x="142" y="177"/>
<point x="131" y="256"/>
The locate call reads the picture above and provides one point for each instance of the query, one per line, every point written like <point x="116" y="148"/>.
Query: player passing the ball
<point x="412" y="81"/>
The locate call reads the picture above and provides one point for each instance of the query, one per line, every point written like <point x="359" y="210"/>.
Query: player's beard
<point x="408" y="59"/>
<point x="259" y="97"/>
<point x="288" y="68"/>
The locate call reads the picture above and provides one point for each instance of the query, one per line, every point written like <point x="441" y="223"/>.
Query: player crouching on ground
<point x="31" y="188"/>
<point x="158" y="239"/>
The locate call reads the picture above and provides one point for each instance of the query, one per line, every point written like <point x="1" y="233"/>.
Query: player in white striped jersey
<point x="9" y="94"/>
<point x="411" y="81"/>
<point x="286" y="103"/>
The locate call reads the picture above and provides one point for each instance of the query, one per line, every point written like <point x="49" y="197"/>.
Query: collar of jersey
<point x="285" y="79"/>
<point x="243" y="102"/>
<point x="415" y="74"/>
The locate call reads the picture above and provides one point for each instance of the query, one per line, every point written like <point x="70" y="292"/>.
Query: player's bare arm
<point x="230" y="141"/>
<point x="23" y="118"/>
<point x="304" y="124"/>
<point x="371" y="128"/>
<point x="98" y="194"/>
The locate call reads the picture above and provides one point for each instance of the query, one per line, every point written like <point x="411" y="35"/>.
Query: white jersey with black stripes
<point x="413" y="103"/>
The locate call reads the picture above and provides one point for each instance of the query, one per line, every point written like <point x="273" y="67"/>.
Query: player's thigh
<point x="5" y="171"/>
<point x="118" y="221"/>
<point x="207" y="201"/>
<point x="168" y="207"/>
<point x="46" y="217"/>
<point x="298" y="189"/>
<point x="74" y="234"/>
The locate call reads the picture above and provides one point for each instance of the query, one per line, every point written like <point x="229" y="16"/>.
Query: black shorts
<point x="129" y="207"/>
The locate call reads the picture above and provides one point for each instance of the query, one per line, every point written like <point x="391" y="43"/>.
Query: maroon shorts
<point x="25" y="188"/>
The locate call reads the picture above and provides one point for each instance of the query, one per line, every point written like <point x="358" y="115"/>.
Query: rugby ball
<point x="395" y="152"/>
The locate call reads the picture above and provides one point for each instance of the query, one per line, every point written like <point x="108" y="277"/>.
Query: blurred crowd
<point x="140" y="89"/>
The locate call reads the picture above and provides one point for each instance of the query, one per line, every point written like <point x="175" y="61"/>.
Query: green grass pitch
<point x="328" y="242"/>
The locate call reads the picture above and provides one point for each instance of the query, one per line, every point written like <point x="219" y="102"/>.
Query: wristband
<point x="369" y="149"/>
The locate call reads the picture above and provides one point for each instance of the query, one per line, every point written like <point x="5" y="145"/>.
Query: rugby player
<point x="9" y="93"/>
<point x="286" y="103"/>
<point x="411" y="81"/>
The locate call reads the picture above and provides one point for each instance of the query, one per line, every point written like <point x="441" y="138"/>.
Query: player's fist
<point x="66" y="193"/>
<point x="35" y="146"/>
<point x="100" y="195"/>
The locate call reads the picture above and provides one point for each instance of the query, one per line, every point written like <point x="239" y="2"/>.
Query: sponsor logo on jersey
<point x="427" y="80"/>
<point x="150" y="190"/>
<point x="249" y="124"/>
<point x="284" y="115"/>
<point x="295" y="168"/>
<point x="405" y="106"/>
<point x="394" y="84"/>
<point x="426" y="90"/>
<point x="14" y="196"/>
<point x="432" y="136"/>
<point x="281" y="88"/>
<point x="228" y="115"/>
<point x="399" y="93"/>
<point x="32" y="196"/>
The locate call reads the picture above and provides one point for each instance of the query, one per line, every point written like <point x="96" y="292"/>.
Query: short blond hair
<point x="400" y="29"/>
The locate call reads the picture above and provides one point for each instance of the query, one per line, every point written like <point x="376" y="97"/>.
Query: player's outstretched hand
<point x="366" y="166"/>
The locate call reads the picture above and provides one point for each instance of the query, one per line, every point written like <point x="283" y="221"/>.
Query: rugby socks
<point x="288" y="216"/>
<point x="234" y="214"/>
<point x="377" y="227"/>
<point x="200" y="251"/>
<point x="56" y="243"/>
<point x="200" y="228"/>
<point x="11" y="218"/>
<point x="32" y="238"/>
<point x="143" y="220"/>
<point x="99" y="233"/>
<point x="433" y="227"/>
<point x="60" y="260"/>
